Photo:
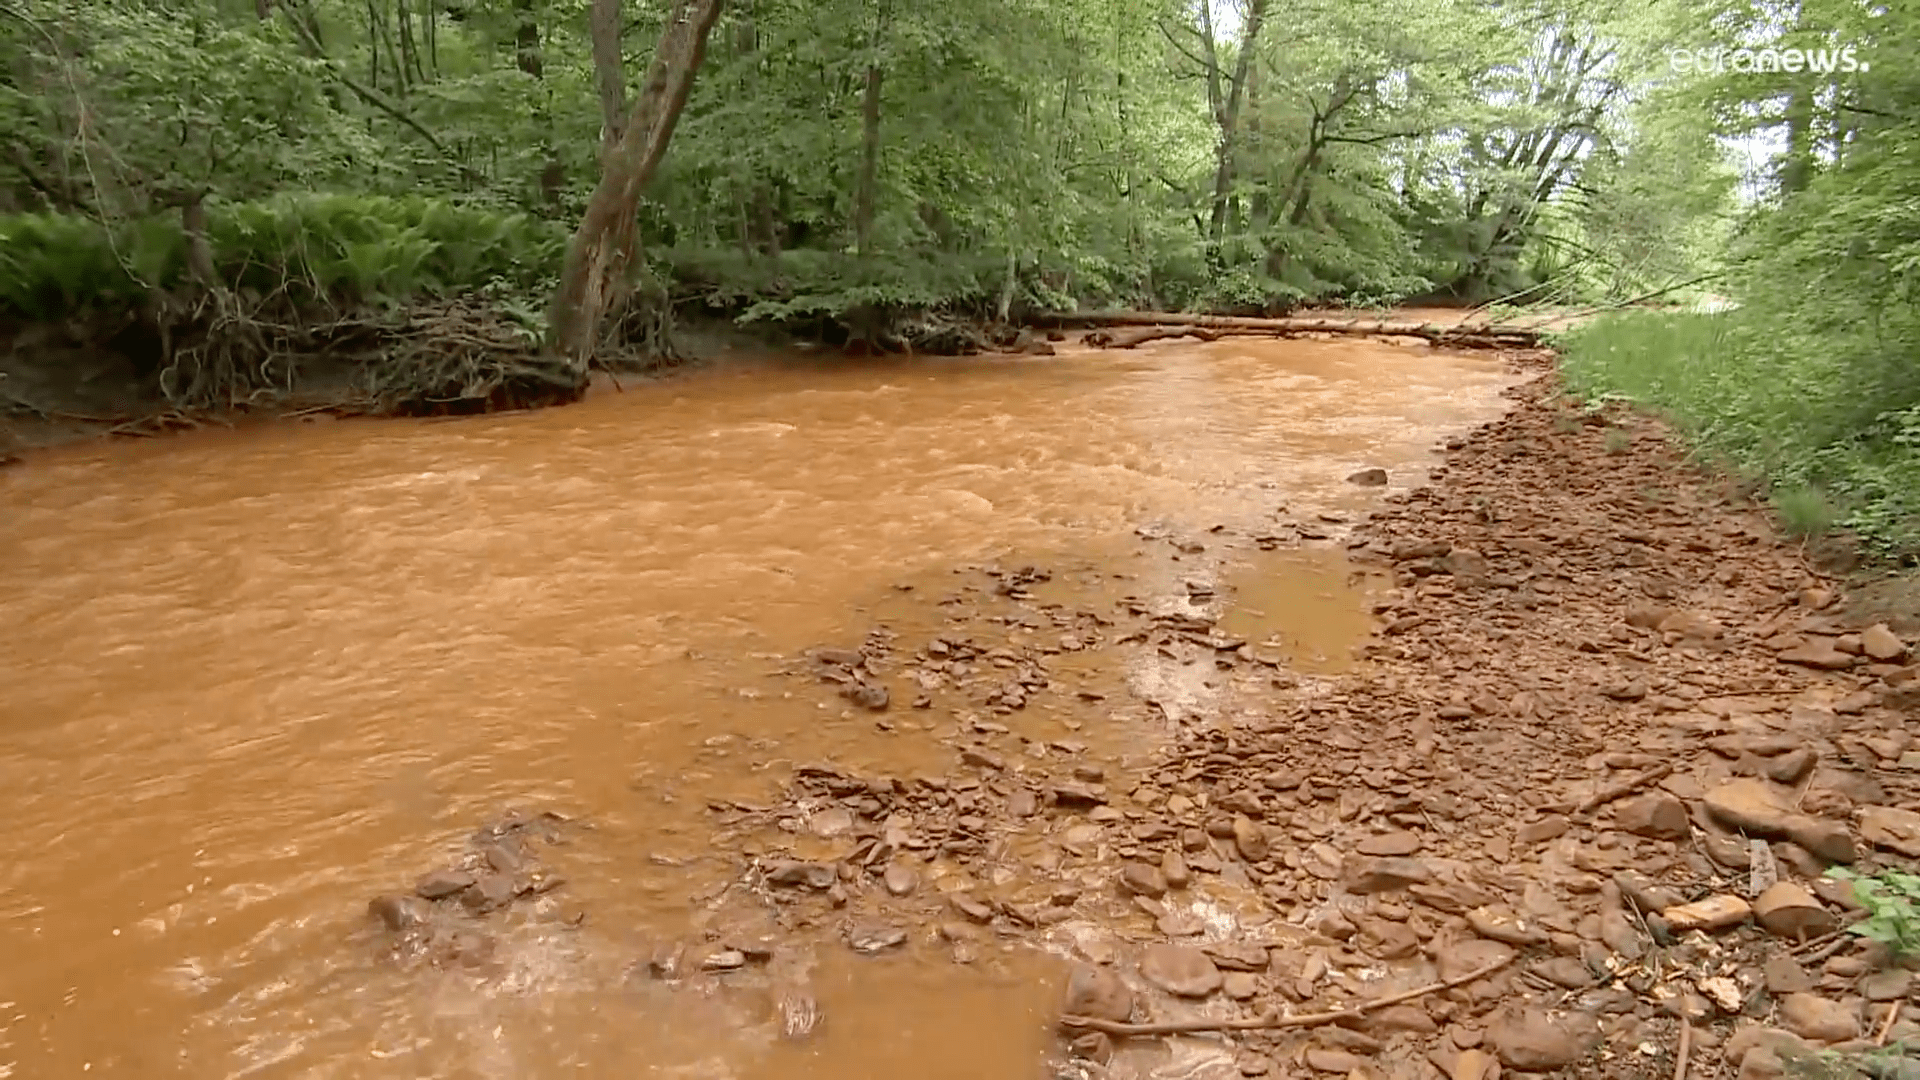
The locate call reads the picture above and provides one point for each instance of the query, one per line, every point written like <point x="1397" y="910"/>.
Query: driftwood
<point x="1127" y="339"/>
<point x="1274" y="1021"/>
<point x="1483" y="335"/>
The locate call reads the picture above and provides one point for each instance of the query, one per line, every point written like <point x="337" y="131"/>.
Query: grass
<point x="1835" y="448"/>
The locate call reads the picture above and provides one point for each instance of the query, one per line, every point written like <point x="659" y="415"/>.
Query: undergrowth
<point x="1836" y="446"/>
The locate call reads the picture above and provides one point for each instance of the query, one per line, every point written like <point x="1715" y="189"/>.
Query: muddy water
<point x="249" y="679"/>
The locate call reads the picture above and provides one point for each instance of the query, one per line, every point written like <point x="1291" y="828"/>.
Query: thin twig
<point x="1272" y="1021"/>
<point x="1686" y="1048"/>
<point x="1624" y="787"/>
<point x="1893" y="1013"/>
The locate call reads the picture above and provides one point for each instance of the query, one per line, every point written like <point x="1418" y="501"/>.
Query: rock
<point x="1369" y="478"/>
<point x="1655" y="815"/>
<point x="1400" y="842"/>
<point x="1074" y="794"/>
<point x="970" y="907"/>
<point x="1364" y="875"/>
<point x="812" y="875"/>
<point x="1893" y="828"/>
<point x="1403" y="1018"/>
<point x="1784" y="975"/>
<point x="1792" y="766"/>
<point x="1751" y="805"/>
<point x="724" y="960"/>
<point x="1882" y="645"/>
<point x="1646" y="894"/>
<point x="1567" y="971"/>
<point x="1250" y="839"/>
<point x="1463" y="958"/>
<point x="900" y="879"/>
<point x="831" y="822"/>
<point x="1816" y="653"/>
<point x="490" y="892"/>
<point x="1022" y="803"/>
<point x="1139" y="879"/>
<point x="398" y="912"/>
<point x="1321" y="1059"/>
<point x="1818" y="1019"/>
<point x="1174" y="870"/>
<point x="1712" y="913"/>
<point x="1788" y="910"/>
<point x="1532" y="1040"/>
<point x="870" y="938"/>
<point x="1474" y="1065"/>
<point x="1098" y="993"/>
<point x="1547" y="828"/>
<point x="1751" y="1037"/>
<point x="1180" y="971"/>
<point x="443" y="883"/>
<point x="1891" y="985"/>
<point x="1238" y="956"/>
<point x="1501" y="924"/>
<point x="1239" y="985"/>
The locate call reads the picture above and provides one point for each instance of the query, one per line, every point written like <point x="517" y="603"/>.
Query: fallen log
<point x="1484" y="335"/>
<point x="1127" y="339"/>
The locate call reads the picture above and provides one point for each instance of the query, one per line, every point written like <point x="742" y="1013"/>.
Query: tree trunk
<point x="604" y="27"/>
<point x="593" y="279"/>
<point x="864" y="195"/>
<point x="1228" y="118"/>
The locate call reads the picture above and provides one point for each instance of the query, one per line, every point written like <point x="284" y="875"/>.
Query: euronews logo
<point x="1718" y="61"/>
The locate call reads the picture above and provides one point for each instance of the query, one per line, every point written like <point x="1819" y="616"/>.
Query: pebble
<point x="1533" y="1040"/>
<point x="1099" y="993"/>
<point x="443" y="883"/>
<point x="1139" y="879"/>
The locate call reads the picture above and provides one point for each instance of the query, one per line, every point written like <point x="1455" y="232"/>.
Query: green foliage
<point x="334" y="248"/>
<point x="1780" y="410"/>
<point x="1892" y="902"/>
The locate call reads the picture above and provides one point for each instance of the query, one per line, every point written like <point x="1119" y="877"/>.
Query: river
<point x="251" y="678"/>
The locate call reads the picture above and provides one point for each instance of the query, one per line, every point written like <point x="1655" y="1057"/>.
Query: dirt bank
<point x="1605" y="717"/>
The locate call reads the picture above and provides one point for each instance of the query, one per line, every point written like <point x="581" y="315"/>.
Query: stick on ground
<point x="1272" y="1021"/>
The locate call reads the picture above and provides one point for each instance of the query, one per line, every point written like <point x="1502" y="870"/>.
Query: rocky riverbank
<point x="1572" y="811"/>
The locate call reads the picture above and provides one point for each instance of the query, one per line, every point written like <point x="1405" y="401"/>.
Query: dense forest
<point x="218" y="185"/>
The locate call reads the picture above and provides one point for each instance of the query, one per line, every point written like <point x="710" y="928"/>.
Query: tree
<point x="593" y="279"/>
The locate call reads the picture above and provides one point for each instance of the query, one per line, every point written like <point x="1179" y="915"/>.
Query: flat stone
<point x="1322" y="1059"/>
<point x="1893" y="828"/>
<point x="724" y="960"/>
<point x="1368" y="478"/>
<point x="831" y="822"/>
<point x="1239" y="985"/>
<point x="1818" y="1019"/>
<point x="812" y="875"/>
<point x="1140" y="879"/>
<point x="490" y="892"/>
<point x="970" y="907"/>
<point x="1891" y="985"/>
<point x="872" y="938"/>
<point x="1816" y="653"/>
<point x="1098" y="993"/>
<point x="1365" y="875"/>
<point x="1503" y="925"/>
<point x="443" y="883"/>
<point x="1179" y="970"/>
<point x="1784" y="975"/>
<point x="1655" y="815"/>
<point x="1534" y="1040"/>
<point x="1751" y="805"/>
<point x="1399" y="842"/>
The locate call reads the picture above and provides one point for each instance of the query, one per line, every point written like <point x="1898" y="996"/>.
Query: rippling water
<point x="251" y="678"/>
